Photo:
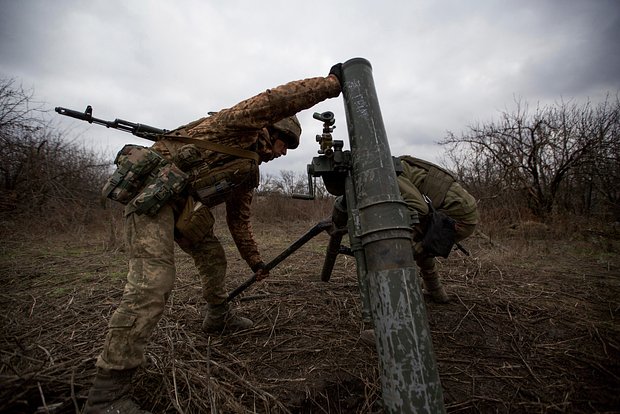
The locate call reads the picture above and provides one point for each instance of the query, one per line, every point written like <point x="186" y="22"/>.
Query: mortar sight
<point x="325" y="117"/>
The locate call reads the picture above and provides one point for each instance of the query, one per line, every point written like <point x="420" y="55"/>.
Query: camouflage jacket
<point x="241" y="126"/>
<point x="457" y="202"/>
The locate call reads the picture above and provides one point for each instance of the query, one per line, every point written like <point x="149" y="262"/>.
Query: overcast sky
<point x="438" y="65"/>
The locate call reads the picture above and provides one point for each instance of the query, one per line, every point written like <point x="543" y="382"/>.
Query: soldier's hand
<point x="336" y="70"/>
<point x="261" y="271"/>
<point x="262" y="274"/>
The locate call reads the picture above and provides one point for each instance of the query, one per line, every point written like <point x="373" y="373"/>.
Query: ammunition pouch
<point x="159" y="189"/>
<point x="212" y="185"/>
<point x="195" y="222"/>
<point x="134" y="166"/>
<point x="143" y="180"/>
<point x="188" y="157"/>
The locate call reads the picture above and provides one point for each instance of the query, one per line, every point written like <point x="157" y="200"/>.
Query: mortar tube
<point x="409" y="377"/>
<point x="358" y="253"/>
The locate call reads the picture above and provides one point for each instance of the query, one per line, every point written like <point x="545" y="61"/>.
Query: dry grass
<point x="532" y="327"/>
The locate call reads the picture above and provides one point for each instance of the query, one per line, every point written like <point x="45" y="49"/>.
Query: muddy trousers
<point x="150" y="240"/>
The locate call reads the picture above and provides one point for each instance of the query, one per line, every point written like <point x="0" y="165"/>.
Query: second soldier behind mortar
<point x="422" y="183"/>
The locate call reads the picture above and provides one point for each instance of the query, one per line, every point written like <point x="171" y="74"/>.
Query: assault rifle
<point x="139" y="130"/>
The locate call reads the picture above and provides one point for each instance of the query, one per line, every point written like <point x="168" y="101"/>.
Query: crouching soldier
<point x="189" y="170"/>
<point x="428" y="188"/>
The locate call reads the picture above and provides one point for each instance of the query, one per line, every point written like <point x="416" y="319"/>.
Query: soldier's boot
<point x="222" y="320"/>
<point x="110" y="393"/>
<point x="433" y="286"/>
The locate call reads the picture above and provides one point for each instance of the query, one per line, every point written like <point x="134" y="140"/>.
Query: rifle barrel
<point x="83" y="116"/>
<point x="139" y="130"/>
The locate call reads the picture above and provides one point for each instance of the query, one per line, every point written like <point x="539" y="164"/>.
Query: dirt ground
<point x="532" y="327"/>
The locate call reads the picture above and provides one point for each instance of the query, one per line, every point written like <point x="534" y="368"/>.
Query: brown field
<point x="531" y="328"/>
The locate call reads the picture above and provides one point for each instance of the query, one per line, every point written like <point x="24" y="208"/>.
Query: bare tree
<point x="539" y="154"/>
<point x="39" y="167"/>
<point x="17" y="106"/>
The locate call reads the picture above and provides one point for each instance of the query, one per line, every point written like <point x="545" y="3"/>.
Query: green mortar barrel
<point x="379" y="219"/>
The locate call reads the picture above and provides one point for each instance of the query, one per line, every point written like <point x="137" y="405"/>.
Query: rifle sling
<point x="213" y="146"/>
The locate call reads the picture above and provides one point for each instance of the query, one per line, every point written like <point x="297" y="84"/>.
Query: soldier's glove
<point x="336" y="70"/>
<point x="260" y="269"/>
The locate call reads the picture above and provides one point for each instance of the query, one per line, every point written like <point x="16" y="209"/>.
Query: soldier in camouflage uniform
<point x="421" y="178"/>
<point x="265" y="124"/>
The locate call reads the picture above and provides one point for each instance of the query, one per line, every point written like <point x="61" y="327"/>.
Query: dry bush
<point x="278" y="208"/>
<point x="47" y="180"/>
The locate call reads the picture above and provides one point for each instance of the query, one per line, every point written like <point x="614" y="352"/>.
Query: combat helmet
<point x="291" y="128"/>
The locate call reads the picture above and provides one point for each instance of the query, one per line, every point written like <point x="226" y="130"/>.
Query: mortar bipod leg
<point x="336" y="232"/>
<point x="317" y="229"/>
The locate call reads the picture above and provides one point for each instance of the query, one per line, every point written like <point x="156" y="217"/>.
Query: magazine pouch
<point x="159" y="189"/>
<point x="134" y="166"/>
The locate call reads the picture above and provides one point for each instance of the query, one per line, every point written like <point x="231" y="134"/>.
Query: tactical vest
<point x="212" y="183"/>
<point x="143" y="180"/>
<point x="212" y="178"/>
<point x="437" y="182"/>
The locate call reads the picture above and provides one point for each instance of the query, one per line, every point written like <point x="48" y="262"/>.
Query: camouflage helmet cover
<point x="291" y="128"/>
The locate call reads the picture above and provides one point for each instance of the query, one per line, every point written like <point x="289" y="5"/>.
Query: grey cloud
<point x="438" y="65"/>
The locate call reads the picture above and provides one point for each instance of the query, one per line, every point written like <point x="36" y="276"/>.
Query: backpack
<point x="437" y="181"/>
